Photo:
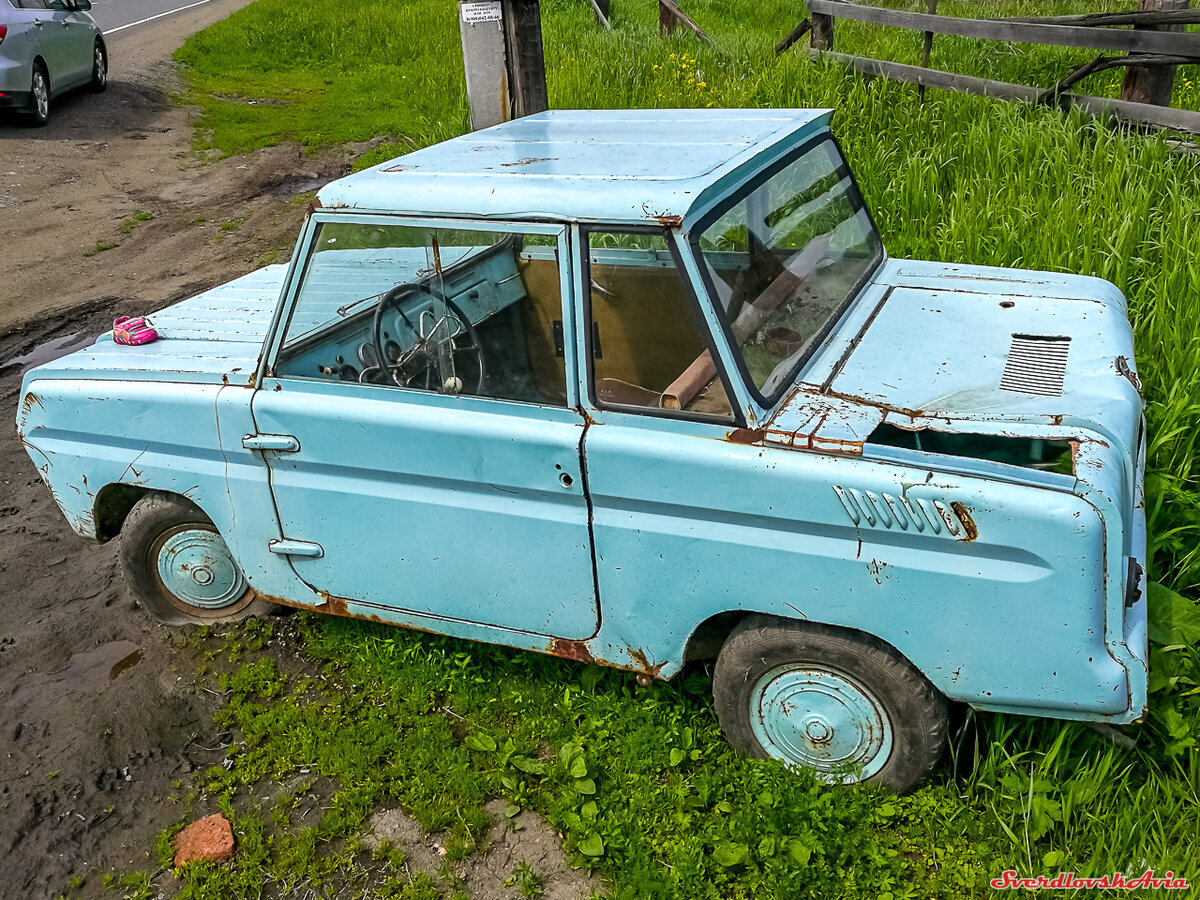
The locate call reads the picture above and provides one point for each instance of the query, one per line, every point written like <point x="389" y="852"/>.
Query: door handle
<point x="287" y="547"/>
<point x="281" y="443"/>
<point x="37" y="23"/>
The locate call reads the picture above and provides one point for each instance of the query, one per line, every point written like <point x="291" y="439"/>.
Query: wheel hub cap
<point x="821" y="719"/>
<point x="195" y="565"/>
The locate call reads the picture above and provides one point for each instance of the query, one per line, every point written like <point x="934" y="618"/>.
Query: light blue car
<point x="634" y="388"/>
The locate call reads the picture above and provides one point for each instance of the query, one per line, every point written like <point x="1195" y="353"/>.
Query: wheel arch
<point x="115" y="501"/>
<point x="710" y="635"/>
<point x="39" y="60"/>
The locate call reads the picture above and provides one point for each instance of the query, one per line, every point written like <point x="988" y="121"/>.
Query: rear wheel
<point x="39" y="95"/>
<point x="842" y="704"/>
<point x="179" y="568"/>
<point x="99" y="68"/>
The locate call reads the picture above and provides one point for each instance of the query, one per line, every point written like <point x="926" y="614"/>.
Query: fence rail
<point x="1022" y="32"/>
<point x="1146" y="49"/>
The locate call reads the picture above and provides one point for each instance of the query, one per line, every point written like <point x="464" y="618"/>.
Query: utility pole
<point x="502" y="57"/>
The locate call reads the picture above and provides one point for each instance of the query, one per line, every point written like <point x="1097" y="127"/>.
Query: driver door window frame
<point x="306" y="245"/>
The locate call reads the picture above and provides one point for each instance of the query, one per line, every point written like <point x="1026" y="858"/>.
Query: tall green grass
<point x="955" y="178"/>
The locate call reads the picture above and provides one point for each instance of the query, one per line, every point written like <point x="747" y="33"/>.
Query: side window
<point x="648" y="347"/>
<point x="475" y="313"/>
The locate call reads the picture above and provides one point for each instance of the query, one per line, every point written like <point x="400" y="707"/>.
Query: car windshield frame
<point x="739" y="196"/>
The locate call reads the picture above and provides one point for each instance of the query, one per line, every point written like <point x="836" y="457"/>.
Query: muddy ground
<point x="100" y="710"/>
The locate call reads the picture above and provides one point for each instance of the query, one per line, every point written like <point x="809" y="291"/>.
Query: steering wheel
<point x="420" y="365"/>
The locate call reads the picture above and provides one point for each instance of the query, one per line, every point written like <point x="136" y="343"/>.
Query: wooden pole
<point x="601" y="8"/>
<point x="926" y="49"/>
<point x="526" y="64"/>
<point x="1153" y="84"/>
<point x="794" y="35"/>
<point x="669" y="15"/>
<point x="822" y="32"/>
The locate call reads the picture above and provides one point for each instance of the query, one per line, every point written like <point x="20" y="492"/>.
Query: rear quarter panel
<point x="1010" y="618"/>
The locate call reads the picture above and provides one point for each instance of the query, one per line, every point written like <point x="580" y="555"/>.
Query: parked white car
<point x="48" y="47"/>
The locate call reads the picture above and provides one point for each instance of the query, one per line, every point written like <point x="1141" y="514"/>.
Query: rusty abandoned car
<point x="635" y="387"/>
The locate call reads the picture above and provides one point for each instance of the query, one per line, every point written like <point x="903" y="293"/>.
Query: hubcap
<point x="820" y="719"/>
<point x="195" y="565"/>
<point x="99" y="66"/>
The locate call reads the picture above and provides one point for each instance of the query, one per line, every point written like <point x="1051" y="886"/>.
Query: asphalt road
<point x="120" y="15"/>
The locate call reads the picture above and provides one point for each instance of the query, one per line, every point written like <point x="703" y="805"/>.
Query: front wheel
<point x="179" y="567"/>
<point x="842" y="704"/>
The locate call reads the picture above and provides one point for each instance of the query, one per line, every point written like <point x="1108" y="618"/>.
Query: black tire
<point x="99" y="69"/>
<point x="768" y="660"/>
<point x="164" y="530"/>
<point x="39" y="95"/>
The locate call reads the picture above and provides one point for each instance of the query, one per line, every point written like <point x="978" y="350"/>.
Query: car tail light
<point x="3" y="32"/>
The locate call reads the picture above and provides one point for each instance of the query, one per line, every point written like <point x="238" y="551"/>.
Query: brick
<point x="208" y="840"/>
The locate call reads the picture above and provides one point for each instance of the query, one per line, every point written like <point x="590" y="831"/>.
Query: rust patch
<point x="336" y="606"/>
<point x="1056" y="420"/>
<point x="576" y="650"/>
<point x="30" y="399"/>
<point x="225" y="380"/>
<point x="643" y="664"/>
<point x="747" y="435"/>
<point x="670" y="221"/>
<point x="964" y="515"/>
<point x="312" y="207"/>
<point x="816" y="442"/>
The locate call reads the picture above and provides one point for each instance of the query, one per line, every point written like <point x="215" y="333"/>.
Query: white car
<point x="48" y="47"/>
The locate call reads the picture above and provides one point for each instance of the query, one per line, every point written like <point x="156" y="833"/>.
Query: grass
<point x="128" y="224"/>
<point x="660" y="805"/>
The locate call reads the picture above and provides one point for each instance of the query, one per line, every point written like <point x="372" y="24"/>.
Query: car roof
<point x="627" y="166"/>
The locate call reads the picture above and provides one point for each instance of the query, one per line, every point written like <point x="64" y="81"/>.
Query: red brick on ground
<point x="208" y="840"/>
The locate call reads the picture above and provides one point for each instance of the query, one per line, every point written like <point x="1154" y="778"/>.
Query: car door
<point x="80" y="38"/>
<point x="659" y="462"/>
<point x="422" y="436"/>
<point x="51" y="29"/>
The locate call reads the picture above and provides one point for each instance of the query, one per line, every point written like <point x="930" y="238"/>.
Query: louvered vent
<point x="1037" y="364"/>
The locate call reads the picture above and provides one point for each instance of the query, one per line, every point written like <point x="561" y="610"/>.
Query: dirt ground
<point x="100" y="709"/>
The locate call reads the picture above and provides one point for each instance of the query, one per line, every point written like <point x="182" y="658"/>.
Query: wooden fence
<point x="1144" y="48"/>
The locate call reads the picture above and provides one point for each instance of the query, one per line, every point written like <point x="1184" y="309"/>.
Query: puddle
<point x="88" y="670"/>
<point x="50" y="350"/>
<point x="124" y="663"/>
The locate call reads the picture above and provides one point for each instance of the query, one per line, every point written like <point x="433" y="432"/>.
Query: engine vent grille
<point x="1037" y="364"/>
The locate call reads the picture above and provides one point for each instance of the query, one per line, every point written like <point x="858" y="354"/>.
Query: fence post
<point x="1153" y="84"/>
<point x="526" y="64"/>
<point x="822" y="32"/>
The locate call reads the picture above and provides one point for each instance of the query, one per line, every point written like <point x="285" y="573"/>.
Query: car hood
<point x="215" y="337"/>
<point x="976" y="350"/>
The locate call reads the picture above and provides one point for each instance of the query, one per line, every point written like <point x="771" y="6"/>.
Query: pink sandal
<point x="133" y="330"/>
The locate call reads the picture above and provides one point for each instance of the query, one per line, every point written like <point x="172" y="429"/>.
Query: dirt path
<point x="100" y="710"/>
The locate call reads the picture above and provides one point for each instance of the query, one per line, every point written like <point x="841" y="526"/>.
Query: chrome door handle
<point x="283" y="443"/>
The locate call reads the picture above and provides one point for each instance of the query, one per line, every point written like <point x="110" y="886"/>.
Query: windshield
<point x="785" y="259"/>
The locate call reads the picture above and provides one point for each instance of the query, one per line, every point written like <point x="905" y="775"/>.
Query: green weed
<point x="128" y="224"/>
<point x="100" y="246"/>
